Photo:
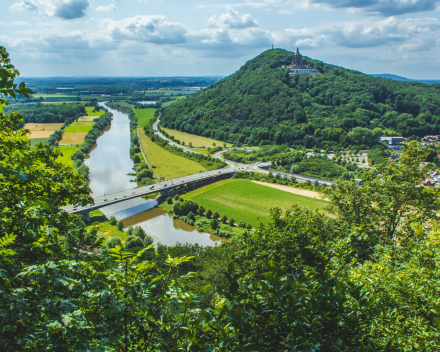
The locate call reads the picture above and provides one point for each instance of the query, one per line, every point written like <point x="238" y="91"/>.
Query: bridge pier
<point x="86" y="217"/>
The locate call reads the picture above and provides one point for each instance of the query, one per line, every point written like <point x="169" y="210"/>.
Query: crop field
<point x="40" y="134"/>
<point x="78" y="128"/>
<point x="246" y="201"/>
<point x="73" y="137"/>
<point x="34" y="141"/>
<point x="87" y="118"/>
<point x="67" y="151"/>
<point x="89" y="111"/>
<point x="144" y="116"/>
<point x="200" y="150"/>
<point x="83" y="123"/>
<point x="43" y="126"/>
<point x="167" y="164"/>
<point x="197" y="141"/>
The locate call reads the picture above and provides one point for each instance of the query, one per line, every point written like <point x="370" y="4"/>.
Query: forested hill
<point x="262" y="104"/>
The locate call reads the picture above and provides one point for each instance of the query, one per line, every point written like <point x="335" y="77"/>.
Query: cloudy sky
<point x="215" y="37"/>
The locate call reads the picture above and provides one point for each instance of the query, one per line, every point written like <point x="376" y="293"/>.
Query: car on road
<point x="134" y="193"/>
<point x="115" y="198"/>
<point x="258" y="163"/>
<point x="105" y="200"/>
<point x="151" y="187"/>
<point x="165" y="185"/>
<point x="124" y="197"/>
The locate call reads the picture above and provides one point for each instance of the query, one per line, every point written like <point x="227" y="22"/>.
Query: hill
<point x="262" y="104"/>
<point x="400" y="78"/>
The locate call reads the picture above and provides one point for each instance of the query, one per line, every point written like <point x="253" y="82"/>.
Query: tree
<point x="214" y="224"/>
<point x="138" y="231"/>
<point x="201" y="211"/>
<point x="231" y="221"/>
<point x="170" y="200"/>
<point x="224" y="145"/>
<point x="177" y="207"/>
<point x="242" y="224"/>
<point x="249" y="226"/>
<point x="209" y="213"/>
<point x="120" y="225"/>
<point x="130" y="230"/>
<point x="133" y="242"/>
<point x="113" y="242"/>
<point x="112" y="220"/>
<point x="191" y="216"/>
<point x="190" y="144"/>
<point x="224" y="219"/>
<point x="136" y="159"/>
<point x="215" y="215"/>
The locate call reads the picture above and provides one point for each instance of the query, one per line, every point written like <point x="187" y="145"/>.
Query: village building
<point x="393" y="142"/>
<point x="297" y="67"/>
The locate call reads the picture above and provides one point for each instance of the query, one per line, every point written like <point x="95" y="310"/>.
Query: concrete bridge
<point x="163" y="187"/>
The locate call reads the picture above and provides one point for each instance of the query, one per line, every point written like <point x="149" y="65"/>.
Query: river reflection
<point x="166" y="230"/>
<point x="109" y="165"/>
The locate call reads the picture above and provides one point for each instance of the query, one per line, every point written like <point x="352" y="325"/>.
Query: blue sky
<point x="195" y="38"/>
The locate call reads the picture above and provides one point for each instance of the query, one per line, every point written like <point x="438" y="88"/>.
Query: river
<point x="110" y="164"/>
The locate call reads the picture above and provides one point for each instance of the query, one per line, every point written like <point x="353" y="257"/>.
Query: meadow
<point x="246" y="201"/>
<point x="167" y="164"/>
<point x="144" y="116"/>
<point x="73" y="137"/>
<point x="43" y="126"/>
<point x="34" y="141"/>
<point x="89" y="111"/>
<point x="67" y="151"/>
<point x="197" y="141"/>
<point x="77" y="128"/>
<point x="86" y="118"/>
<point x="98" y="220"/>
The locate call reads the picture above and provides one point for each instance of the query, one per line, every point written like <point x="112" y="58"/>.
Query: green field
<point x="197" y="141"/>
<point x="144" y="116"/>
<point x="78" y="128"/>
<point x="89" y="111"/>
<point x="167" y="164"/>
<point x="247" y="201"/>
<point x="34" y="141"/>
<point x="200" y="150"/>
<point x="67" y="151"/>
<point x="98" y="219"/>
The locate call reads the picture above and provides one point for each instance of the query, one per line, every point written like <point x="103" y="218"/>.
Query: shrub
<point x="201" y="223"/>
<point x="120" y="225"/>
<point x="191" y="216"/>
<point x="176" y="197"/>
<point x="241" y="224"/>
<point x="136" y="159"/>
<point x="133" y="241"/>
<point x="224" y="219"/>
<point x="214" y="223"/>
<point x="130" y="231"/>
<point x="188" y="206"/>
<point x="201" y="211"/>
<point x="176" y="207"/>
<point x="112" y="220"/>
<point x="170" y="200"/>
<point x="209" y="213"/>
<point x="316" y="184"/>
<point x="249" y="226"/>
<point x="149" y="240"/>
<point x="139" y="232"/>
<point x="215" y="215"/>
<point x="113" y="242"/>
<point x="231" y="222"/>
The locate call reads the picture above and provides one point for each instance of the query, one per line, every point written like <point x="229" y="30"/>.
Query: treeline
<point x="101" y="123"/>
<point x="262" y="104"/>
<point x="47" y="113"/>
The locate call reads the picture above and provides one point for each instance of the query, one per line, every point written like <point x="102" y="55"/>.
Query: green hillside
<point x="262" y="104"/>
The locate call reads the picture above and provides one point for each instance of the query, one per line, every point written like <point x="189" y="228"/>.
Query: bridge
<point x="163" y="187"/>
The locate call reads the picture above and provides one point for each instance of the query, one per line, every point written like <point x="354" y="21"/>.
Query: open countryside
<point x="284" y="196"/>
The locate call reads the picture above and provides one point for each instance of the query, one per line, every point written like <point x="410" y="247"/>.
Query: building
<point x="393" y="142"/>
<point x="297" y="67"/>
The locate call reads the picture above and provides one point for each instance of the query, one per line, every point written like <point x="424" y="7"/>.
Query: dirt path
<point x="301" y="192"/>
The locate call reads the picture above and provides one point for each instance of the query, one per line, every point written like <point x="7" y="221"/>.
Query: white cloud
<point x="108" y="8"/>
<point x="147" y="29"/>
<point x="65" y="9"/>
<point x="232" y="19"/>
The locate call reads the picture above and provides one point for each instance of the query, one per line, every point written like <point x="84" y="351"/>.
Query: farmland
<point x="73" y="137"/>
<point x="89" y="111"/>
<point x="197" y="141"/>
<point x="144" y="116"/>
<point x="77" y="128"/>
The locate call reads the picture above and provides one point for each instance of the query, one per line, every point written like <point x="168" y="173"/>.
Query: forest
<point x="262" y="104"/>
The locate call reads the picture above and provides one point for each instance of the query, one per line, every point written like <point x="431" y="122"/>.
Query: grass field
<point x="197" y="141"/>
<point x="247" y="201"/>
<point x="67" y="151"/>
<point x="83" y="123"/>
<point x="73" y="138"/>
<point x="40" y="134"/>
<point x="89" y="111"/>
<point x="98" y="219"/>
<point x="167" y="164"/>
<point x="200" y="150"/>
<point x="34" y="141"/>
<point x="76" y="128"/>
<point x="43" y="126"/>
<point x="144" y="116"/>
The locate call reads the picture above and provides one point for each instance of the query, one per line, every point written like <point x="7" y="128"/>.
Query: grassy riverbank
<point x="144" y="116"/>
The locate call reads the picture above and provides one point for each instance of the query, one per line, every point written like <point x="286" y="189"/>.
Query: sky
<point x="49" y="38"/>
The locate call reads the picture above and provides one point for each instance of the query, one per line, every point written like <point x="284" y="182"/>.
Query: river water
<point x="110" y="164"/>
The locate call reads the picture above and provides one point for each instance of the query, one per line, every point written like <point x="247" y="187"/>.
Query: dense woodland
<point x="365" y="279"/>
<point x="262" y="104"/>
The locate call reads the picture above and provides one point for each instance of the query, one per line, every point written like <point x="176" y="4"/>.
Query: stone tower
<point x="297" y="59"/>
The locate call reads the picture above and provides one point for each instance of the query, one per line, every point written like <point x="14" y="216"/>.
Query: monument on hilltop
<point x="297" y="67"/>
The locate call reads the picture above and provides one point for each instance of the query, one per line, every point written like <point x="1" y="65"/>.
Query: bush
<point x="214" y="223"/>
<point x="170" y="200"/>
<point x="209" y="213"/>
<point x="120" y="225"/>
<point x="112" y="220"/>
<point x="149" y="240"/>
<point x="215" y="215"/>
<point x="249" y="226"/>
<point x="191" y="216"/>
<point x="176" y="197"/>
<point x="176" y="207"/>
<point x="231" y="221"/>
<point x="130" y="231"/>
<point x="136" y="159"/>
<point x="224" y="219"/>
<point x="133" y="241"/>
<point x="241" y="224"/>
<point x="201" y="223"/>
<point x="139" y="232"/>
<point x="201" y="211"/>
<point x="188" y="206"/>
<point x="113" y="242"/>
